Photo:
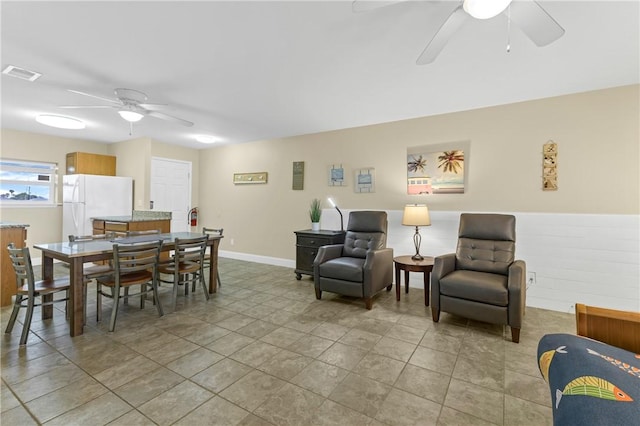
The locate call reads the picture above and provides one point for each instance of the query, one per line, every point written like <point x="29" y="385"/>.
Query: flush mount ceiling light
<point x="60" y="121"/>
<point x="130" y="116"/>
<point x="485" y="9"/>
<point x="207" y="139"/>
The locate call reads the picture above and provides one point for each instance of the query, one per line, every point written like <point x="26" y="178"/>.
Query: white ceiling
<point x="247" y="71"/>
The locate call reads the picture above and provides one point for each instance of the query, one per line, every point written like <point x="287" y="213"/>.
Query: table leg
<point x="397" y="282"/>
<point x="213" y="267"/>
<point x="76" y="304"/>
<point x="47" y="274"/>
<point x="406" y="282"/>
<point x="426" y="288"/>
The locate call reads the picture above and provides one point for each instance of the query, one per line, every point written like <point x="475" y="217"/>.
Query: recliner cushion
<point x="343" y="268"/>
<point x="477" y="286"/>
<point x="485" y="255"/>
<point x="356" y="244"/>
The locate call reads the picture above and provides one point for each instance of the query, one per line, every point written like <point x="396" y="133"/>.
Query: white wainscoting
<point x="577" y="258"/>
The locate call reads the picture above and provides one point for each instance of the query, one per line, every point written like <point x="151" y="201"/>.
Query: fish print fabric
<point x="590" y="383"/>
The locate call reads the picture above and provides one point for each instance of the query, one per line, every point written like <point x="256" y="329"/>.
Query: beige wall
<point x="597" y="135"/>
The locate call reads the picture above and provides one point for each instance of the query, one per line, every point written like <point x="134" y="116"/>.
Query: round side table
<point x="407" y="264"/>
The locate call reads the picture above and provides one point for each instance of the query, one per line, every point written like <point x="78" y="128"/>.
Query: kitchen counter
<point x="137" y="216"/>
<point x="4" y="225"/>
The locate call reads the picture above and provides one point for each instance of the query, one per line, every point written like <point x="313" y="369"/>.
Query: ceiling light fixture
<point x="207" y="139"/>
<point x="60" y="121"/>
<point x="21" y="73"/>
<point x="485" y="9"/>
<point x="130" y="116"/>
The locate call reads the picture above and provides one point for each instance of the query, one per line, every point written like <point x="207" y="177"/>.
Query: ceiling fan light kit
<point x="207" y="139"/>
<point x="60" y="122"/>
<point x="485" y="9"/>
<point x="130" y="116"/>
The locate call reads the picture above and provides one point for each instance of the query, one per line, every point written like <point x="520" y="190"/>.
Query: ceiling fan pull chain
<point x="130" y="128"/>
<point x="509" y="28"/>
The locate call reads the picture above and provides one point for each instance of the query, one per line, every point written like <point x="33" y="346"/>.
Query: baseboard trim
<point x="287" y="263"/>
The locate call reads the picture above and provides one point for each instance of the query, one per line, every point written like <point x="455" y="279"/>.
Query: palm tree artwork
<point x="435" y="172"/>
<point x="451" y="161"/>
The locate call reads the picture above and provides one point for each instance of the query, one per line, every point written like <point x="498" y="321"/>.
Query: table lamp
<point x="416" y="215"/>
<point x="333" y="204"/>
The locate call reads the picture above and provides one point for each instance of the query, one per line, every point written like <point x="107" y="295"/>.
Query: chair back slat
<point x="131" y="258"/>
<point x="190" y="249"/>
<point x="21" y="262"/>
<point x="213" y="231"/>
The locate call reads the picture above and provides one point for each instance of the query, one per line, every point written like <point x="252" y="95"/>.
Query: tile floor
<point x="264" y="351"/>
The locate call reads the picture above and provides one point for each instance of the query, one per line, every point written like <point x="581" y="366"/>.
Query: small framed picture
<point x="336" y="175"/>
<point x="365" y="180"/>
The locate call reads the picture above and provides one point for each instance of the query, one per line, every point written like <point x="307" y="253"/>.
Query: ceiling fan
<point x="131" y="105"/>
<point x="532" y="19"/>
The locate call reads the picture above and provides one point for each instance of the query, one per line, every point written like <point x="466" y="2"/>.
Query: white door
<point x="171" y="190"/>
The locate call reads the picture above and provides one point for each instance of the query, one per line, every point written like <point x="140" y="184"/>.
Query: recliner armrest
<point x="326" y="253"/>
<point x="517" y="287"/>
<point x="442" y="265"/>
<point x="378" y="270"/>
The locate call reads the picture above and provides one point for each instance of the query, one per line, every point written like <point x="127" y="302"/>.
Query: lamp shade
<point x="416" y="215"/>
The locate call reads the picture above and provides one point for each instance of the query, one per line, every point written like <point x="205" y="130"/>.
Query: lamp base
<point x="417" y="257"/>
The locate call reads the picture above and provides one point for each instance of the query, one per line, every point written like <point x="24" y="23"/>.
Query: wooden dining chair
<point x="207" y="256"/>
<point x="28" y="289"/>
<point x="133" y="264"/>
<point x="186" y="265"/>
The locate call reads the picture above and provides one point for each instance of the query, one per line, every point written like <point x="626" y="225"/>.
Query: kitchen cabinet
<point x="90" y="164"/>
<point x="121" y="225"/>
<point x="9" y="233"/>
<point x="307" y="244"/>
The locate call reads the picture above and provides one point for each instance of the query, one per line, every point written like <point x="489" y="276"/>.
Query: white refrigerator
<point x="88" y="196"/>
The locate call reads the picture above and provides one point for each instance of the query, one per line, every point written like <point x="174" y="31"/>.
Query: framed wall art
<point x="337" y="176"/>
<point x="437" y="169"/>
<point x="550" y="166"/>
<point x="297" y="183"/>
<point x="247" y="178"/>
<point x="365" y="180"/>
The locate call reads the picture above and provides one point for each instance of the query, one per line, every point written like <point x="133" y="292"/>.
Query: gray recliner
<point x="482" y="281"/>
<point x="360" y="267"/>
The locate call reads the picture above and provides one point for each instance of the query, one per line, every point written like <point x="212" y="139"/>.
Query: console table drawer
<point x="313" y="241"/>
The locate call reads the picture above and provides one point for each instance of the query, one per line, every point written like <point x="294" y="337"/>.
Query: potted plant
<point x="315" y="211"/>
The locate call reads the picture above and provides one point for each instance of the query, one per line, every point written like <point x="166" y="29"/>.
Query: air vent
<point x="21" y="73"/>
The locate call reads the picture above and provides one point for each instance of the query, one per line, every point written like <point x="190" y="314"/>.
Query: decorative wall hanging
<point x="298" y="176"/>
<point x="365" y="180"/>
<point x="550" y="166"/>
<point x="245" y="178"/>
<point x="436" y="171"/>
<point x="336" y="175"/>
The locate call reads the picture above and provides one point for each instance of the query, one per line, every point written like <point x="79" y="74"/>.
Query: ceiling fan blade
<point x="154" y="107"/>
<point x="113" y="101"/>
<point x="86" y="106"/>
<point x="366" y="5"/>
<point x="444" y="34"/>
<point x="167" y="117"/>
<point x="535" y="22"/>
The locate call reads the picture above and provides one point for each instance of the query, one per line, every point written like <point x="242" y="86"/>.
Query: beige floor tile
<point x="174" y="403"/>
<point x="230" y="343"/>
<point x="525" y="413"/>
<point x="257" y="329"/>
<point x="303" y="323"/>
<point x="441" y="342"/>
<point x="146" y="387"/>
<point x="475" y="400"/>
<point x="252" y="390"/>
<point x="290" y="406"/>
<point x="216" y="411"/>
<point x="333" y="414"/>
<point x="311" y="346"/>
<point x="125" y="371"/>
<point x="361" y="394"/>
<point x="431" y="359"/>
<point x="26" y="369"/>
<point x="285" y="364"/>
<point x="487" y="373"/>
<point x="7" y="399"/>
<point x="526" y="387"/>
<point x="406" y="333"/>
<point x="402" y="408"/>
<point x="101" y="410"/>
<point x="360" y="339"/>
<point x="380" y="368"/>
<point x="255" y="353"/>
<point x="282" y="337"/>
<point x="221" y="375"/>
<point x="132" y="418"/>
<point x="451" y="417"/>
<point x="329" y="331"/>
<point x="17" y="416"/>
<point x="235" y="322"/>
<point x="320" y="378"/>
<point x="194" y="362"/>
<point x="394" y="348"/>
<point x="56" y="378"/>
<point x="424" y="383"/>
<point x="66" y="398"/>
<point x="343" y="356"/>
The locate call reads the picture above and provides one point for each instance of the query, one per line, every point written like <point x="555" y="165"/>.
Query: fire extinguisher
<point x="193" y="216"/>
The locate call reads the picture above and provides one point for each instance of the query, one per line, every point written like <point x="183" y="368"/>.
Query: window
<point x="27" y="183"/>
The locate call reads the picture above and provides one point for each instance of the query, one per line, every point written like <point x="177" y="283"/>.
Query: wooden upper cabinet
<point x="90" y="164"/>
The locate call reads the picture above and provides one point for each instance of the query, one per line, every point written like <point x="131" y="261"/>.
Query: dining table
<point x="76" y="254"/>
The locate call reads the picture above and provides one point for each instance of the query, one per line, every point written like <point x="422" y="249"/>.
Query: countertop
<point x="13" y="225"/>
<point x="137" y="216"/>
